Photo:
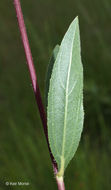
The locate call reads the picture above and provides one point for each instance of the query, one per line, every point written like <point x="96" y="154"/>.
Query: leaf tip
<point x="76" y="20"/>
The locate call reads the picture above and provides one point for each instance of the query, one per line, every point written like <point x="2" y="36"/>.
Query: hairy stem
<point x="35" y="85"/>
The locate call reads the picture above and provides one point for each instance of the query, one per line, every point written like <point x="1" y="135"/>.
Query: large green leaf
<point x="65" y="99"/>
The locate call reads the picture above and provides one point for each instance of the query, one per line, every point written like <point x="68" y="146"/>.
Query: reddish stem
<point x="60" y="183"/>
<point x="35" y="85"/>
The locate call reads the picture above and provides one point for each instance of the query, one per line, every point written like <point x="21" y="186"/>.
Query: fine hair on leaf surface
<point x="65" y="99"/>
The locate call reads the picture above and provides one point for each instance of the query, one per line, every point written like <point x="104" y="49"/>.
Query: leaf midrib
<point x="66" y="99"/>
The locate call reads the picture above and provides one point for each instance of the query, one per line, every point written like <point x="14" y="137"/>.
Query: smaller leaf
<point x="49" y="71"/>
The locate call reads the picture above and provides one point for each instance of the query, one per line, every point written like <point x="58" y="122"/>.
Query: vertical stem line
<point x="35" y="85"/>
<point x="60" y="183"/>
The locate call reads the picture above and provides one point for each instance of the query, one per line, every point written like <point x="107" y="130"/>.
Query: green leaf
<point x="65" y="99"/>
<point x="49" y="71"/>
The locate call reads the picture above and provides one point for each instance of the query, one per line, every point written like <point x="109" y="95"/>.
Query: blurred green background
<point x="23" y="150"/>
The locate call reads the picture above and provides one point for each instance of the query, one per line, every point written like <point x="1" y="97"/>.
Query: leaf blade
<point x="65" y="99"/>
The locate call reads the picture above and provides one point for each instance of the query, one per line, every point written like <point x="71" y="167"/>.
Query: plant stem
<point x="60" y="183"/>
<point x="35" y="85"/>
